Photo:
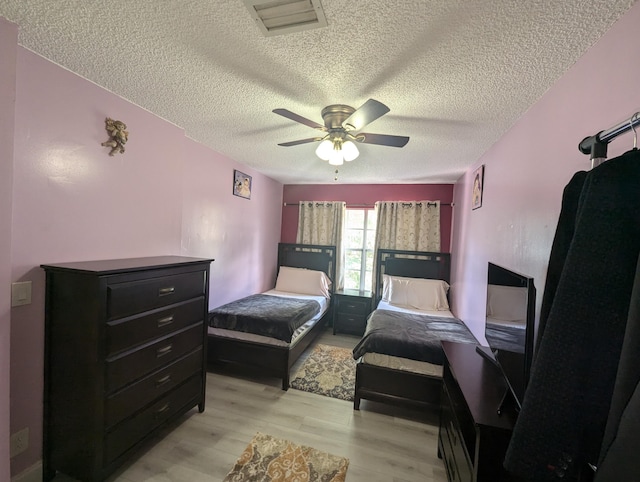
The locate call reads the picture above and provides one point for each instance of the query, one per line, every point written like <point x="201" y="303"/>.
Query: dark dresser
<point x="473" y="436"/>
<point x="125" y="344"/>
<point x="350" y="311"/>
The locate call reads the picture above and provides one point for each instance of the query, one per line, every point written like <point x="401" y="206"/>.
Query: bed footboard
<point x="269" y="360"/>
<point x="388" y="385"/>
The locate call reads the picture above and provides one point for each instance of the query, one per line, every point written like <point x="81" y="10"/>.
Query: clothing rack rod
<point x="606" y="136"/>
<point x="357" y="205"/>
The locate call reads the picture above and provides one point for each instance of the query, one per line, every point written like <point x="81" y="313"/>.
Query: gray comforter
<point x="406" y="335"/>
<point x="272" y="316"/>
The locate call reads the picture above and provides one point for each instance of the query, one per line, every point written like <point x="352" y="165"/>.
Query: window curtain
<point x="322" y="222"/>
<point x="413" y="226"/>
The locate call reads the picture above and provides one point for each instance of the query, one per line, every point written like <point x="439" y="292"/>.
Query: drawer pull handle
<point x="166" y="291"/>
<point x="165" y="321"/>
<point x="163" y="409"/>
<point x="163" y="381"/>
<point x="163" y="351"/>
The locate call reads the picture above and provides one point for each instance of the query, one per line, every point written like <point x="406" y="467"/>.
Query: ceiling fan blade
<point x="366" y="114"/>
<point x="298" y="118"/>
<point x="301" y="141"/>
<point x="382" y="139"/>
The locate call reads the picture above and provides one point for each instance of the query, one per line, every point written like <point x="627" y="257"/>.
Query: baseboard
<point x="32" y="474"/>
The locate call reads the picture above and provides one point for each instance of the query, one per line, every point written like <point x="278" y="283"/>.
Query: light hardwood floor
<point x="382" y="443"/>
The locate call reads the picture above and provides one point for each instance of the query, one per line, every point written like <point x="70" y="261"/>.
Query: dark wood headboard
<point x="310" y="256"/>
<point x="411" y="264"/>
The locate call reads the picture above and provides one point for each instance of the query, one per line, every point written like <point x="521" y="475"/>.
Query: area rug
<point x="328" y="371"/>
<point x="269" y="459"/>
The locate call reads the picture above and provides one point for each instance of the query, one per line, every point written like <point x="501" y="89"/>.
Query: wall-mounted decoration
<point x="241" y="184"/>
<point x="478" y="184"/>
<point x="118" y="135"/>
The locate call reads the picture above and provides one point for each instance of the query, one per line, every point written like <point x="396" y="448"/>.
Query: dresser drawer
<point x="124" y="299"/>
<point x="128" y="433"/>
<point x="350" y="323"/>
<point x="457" y="459"/>
<point x="459" y="463"/>
<point x="127" y="333"/>
<point x="357" y="307"/>
<point x="127" y="401"/>
<point x="132" y="365"/>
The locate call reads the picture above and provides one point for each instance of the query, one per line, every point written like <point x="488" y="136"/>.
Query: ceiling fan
<point x="342" y="124"/>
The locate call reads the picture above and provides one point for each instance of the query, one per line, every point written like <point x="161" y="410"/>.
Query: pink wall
<point x="527" y="169"/>
<point x="71" y="201"/>
<point x="245" y="233"/>
<point x="366" y="194"/>
<point x="8" y="52"/>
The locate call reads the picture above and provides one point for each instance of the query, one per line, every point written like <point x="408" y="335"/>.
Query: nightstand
<point x="350" y="311"/>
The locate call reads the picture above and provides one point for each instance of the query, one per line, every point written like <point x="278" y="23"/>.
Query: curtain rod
<point x="361" y="205"/>
<point x="596" y="145"/>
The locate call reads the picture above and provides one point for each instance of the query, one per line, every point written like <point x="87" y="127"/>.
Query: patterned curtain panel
<point x="412" y="225"/>
<point x="322" y="222"/>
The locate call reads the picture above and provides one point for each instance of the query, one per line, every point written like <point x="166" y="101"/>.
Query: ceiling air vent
<point x="275" y="17"/>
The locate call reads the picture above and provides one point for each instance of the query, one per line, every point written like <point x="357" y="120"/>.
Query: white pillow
<point x="303" y="281"/>
<point x="386" y="286"/>
<point x="419" y="293"/>
<point x="507" y="303"/>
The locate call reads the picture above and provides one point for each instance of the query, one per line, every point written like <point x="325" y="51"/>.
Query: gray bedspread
<point x="406" y="335"/>
<point x="272" y="316"/>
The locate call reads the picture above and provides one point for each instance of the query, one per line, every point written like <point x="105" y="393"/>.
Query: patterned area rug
<point x="328" y="371"/>
<point x="268" y="459"/>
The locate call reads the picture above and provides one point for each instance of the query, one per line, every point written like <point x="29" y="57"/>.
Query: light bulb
<point x="349" y="151"/>
<point x="336" y="158"/>
<point x="324" y="150"/>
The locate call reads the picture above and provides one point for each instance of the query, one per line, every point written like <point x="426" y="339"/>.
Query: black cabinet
<point x="124" y="355"/>
<point x="473" y="437"/>
<point x="350" y="311"/>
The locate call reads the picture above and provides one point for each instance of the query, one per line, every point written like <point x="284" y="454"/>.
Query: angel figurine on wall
<point x="118" y="135"/>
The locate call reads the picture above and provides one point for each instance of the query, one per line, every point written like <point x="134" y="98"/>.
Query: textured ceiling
<point x="456" y="74"/>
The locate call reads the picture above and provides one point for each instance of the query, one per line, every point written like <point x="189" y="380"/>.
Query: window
<point x="359" y="238"/>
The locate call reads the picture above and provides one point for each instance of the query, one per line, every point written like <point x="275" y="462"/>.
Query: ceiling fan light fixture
<point x="341" y="123"/>
<point x="349" y="151"/>
<point x="324" y="150"/>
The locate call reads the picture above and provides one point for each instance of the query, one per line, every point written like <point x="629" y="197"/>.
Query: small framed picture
<point x="478" y="185"/>
<point x="241" y="184"/>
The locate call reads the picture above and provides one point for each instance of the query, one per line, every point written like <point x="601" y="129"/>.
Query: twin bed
<point x="268" y="332"/>
<point x="399" y="359"/>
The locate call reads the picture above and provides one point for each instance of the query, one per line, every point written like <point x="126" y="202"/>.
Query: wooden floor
<point x="382" y="443"/>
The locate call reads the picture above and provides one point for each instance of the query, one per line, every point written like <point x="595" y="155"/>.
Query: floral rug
<point x="328" y="371"/>
<point x="268" y="459"/>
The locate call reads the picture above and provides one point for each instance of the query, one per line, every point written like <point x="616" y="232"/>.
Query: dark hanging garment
<point x="619" y="458"/>
<point x="560" y="246"/>
<point x="565" y="408"/>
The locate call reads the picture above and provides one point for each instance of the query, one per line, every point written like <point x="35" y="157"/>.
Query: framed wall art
<point x="241" y="184"/>
<point x="478" y="186"/>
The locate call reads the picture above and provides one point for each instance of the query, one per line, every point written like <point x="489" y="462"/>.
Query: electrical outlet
<point x="19" y="442"/>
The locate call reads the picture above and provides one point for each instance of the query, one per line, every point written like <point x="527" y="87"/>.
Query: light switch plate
<point x="21" y="293"/>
